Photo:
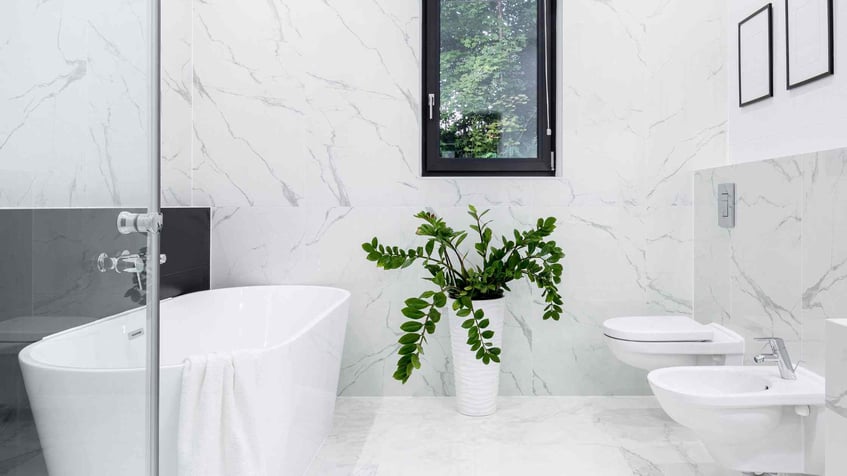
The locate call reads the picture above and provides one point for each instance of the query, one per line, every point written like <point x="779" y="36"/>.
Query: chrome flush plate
<point x="726" y="205"/>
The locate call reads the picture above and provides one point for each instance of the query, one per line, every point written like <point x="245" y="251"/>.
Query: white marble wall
<point x="305" y="140"/>
<point x="781" y="271"/>
<point x="836" y="396"/>
<point x="73" y="103"/>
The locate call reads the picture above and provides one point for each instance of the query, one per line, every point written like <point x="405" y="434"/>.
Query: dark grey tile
<point x="66" y="281"/>
<point x="185" y="239"/>
<point x="185" y="282"/>
<point x="15" y="263"/>
<point x="48" y="268"/>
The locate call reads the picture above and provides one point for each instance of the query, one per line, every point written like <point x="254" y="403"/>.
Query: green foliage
<point x="488" y="78"/>
<point x="526" y="254"/>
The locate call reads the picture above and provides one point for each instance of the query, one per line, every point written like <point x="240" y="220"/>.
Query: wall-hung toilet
<point x="653" y="342"/>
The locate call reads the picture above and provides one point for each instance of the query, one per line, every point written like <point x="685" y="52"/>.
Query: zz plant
<point x="454" y="274"/>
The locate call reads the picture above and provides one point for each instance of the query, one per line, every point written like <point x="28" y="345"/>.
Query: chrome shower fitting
<point x="126" y="262"/>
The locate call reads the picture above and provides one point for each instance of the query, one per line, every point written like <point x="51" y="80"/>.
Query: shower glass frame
<point x="153" y="243"/>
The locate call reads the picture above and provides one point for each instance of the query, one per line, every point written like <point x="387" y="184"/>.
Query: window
<point x="488" y="87"/>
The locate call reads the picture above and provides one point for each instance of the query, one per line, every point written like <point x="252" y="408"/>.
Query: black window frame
<point x="544" y="165"/>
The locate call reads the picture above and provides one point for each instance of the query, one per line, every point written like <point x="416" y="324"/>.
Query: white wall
<point x="73" y="103"/>
<point x="305" y="140"/>
<point x="810" y="118"/>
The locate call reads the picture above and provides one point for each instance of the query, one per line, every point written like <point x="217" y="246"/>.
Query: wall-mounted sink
<point x="750" y="418"/>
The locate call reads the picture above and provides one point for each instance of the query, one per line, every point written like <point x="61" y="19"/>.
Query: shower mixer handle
<point x="125" y="262"/>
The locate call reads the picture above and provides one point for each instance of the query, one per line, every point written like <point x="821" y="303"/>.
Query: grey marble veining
<point x="73" y="125"/>
<point x="781" y="270"/>
<point x="305" y="140"/>
<point x="608" y="436"/>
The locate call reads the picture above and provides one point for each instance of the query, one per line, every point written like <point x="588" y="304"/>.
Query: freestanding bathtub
<point x="86" y="385"/>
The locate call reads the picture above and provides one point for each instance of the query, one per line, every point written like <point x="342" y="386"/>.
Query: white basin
<point x="750" y="418"/>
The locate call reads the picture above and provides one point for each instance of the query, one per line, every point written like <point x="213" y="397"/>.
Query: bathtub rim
<point x="25" y="355"/>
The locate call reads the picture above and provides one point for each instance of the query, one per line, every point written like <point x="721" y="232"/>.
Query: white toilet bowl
<point x="653" y="342"/>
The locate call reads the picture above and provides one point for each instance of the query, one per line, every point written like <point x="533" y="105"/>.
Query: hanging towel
<point x="218" y="431"/>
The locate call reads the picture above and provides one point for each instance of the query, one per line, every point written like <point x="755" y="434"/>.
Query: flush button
<point x="726" y="205"/>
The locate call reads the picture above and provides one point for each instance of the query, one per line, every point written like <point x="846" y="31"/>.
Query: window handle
<point x="431" y="104"/>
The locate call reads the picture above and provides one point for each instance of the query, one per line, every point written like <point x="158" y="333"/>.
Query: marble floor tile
<point x="598" y="436"/>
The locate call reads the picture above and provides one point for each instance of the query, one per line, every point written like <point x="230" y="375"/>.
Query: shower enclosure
<point x="79" y="148"/>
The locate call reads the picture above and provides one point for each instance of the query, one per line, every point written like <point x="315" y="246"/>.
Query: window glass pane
<point x="489" y="75"/>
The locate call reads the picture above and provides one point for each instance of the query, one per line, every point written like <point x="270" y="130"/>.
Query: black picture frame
<point x="544" y="164"/>
<point x="767" y="9"/>
<point x="830" y="44"/>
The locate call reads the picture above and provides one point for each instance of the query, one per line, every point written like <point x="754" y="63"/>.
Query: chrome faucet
<point x="125" y="262"/>
<point x="779" y="354"/>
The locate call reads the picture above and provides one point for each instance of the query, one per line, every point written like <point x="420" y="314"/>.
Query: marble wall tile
<point x="824" y="250"/>
<point x="712" y="290"/>
<point x="765" y="268"/>
<point x="177" y="100"/>
<point x="255" y="245"/>
<point x="306" y="142"/>
<point x="300" y="132"/>
<point x="836" y="396"/>
<point x="73" y="123"/>
<point x="779" y="271"/>
<point x="748" y="277"/>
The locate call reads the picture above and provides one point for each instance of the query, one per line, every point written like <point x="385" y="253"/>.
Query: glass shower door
<point x="78" y="146"/>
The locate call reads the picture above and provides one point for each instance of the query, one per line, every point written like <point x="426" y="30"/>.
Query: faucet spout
<point x="779" y="354"/>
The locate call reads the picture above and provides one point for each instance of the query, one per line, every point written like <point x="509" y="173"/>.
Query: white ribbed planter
<point x="477" y="384"/>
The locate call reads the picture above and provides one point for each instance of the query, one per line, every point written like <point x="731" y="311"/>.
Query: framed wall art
<point x="755" y="57"/>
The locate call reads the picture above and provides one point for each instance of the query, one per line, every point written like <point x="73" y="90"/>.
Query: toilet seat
<point x="653" y="342"/>
<point x="657" y="329"/>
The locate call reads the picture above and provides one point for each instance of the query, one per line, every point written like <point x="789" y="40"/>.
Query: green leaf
<point x="412" y="313"/>
<point x="400" y="374"/>
<point x="416" y="303"/>
<point x="434" y="315"/>
<point x="416" y="361"/>
<point x="409" y="338"/>
<point x="468" y="324"/>
<point x="407" y="349"/>
<point x="411" y="326"/>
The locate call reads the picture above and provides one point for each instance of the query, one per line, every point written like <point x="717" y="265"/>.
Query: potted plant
<point x="475" y="287"/>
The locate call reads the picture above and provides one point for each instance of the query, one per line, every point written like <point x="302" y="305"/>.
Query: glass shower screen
<point x="79" y="144"/>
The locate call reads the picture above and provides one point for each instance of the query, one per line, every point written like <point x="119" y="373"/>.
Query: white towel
<point x="218" y="430"/>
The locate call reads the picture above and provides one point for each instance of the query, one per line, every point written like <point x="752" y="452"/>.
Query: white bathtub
<point x="86" y="385"/>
